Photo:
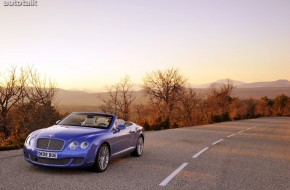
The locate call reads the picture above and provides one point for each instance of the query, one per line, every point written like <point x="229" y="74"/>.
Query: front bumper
<point x="65" y="158"/>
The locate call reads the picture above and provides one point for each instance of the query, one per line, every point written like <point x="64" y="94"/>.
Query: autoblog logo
<point x="20" y="3"/>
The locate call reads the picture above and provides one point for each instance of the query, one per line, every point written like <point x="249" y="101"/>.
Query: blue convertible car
<point x="84" y="140"/>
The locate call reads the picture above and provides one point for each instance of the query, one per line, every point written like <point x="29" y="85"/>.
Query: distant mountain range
<point x="74" y="100"/>
<point x="277" y="83"/>
<point x="240" y="84"/>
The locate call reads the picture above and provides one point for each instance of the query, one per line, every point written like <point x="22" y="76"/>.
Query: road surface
<point x="249" y="154"/>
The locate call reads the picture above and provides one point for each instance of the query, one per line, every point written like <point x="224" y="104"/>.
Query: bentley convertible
<point x="84" y="140"/>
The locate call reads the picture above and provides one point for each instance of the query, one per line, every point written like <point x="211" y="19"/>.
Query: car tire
<point x="139" y="147"/>
<point x="102" y="159"/>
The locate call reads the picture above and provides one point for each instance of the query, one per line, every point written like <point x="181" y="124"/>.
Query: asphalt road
<point x="248" y="154"/>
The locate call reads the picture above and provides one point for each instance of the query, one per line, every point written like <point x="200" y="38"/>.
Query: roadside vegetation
<point x="171" y="103"/>
<point x="27" y="103"/>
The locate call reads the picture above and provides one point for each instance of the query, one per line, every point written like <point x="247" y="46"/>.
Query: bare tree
<point x="188" y="105"/>
<point x="110" y="101"/>
<point x="224" y="89"/>
<point x="38" y="103"/>
<point x="43" y="89"/>
<point x="21" y="92"/>
<point x="219" y="98"/>
<point x="163" y="88"/>
<point x="12" y="91"/>
<point x="119" y="99"/>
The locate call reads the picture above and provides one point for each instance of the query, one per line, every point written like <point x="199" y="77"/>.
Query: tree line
<point x="170" y="102"/>
<point x="27" y="103"/>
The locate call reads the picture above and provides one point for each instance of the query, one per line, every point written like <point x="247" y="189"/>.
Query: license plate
<point x="47" y="154"/>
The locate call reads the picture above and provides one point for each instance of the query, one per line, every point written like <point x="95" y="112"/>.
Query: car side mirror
<point x="121" y="127"/>
<point x="57" y="122"/>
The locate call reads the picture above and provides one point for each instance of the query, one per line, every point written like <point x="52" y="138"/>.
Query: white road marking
<point x="216" y="142"/>
<point x="169" y="178"/>
<point x="173" y="174"/>
<point x="231" y="135"/>
<point x="241" y="131"/>
<point x="200" y="152"/>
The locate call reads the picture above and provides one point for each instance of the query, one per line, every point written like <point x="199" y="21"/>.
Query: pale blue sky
<point x="92" y="43"/>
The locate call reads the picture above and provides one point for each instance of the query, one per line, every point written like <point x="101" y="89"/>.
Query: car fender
<point x="97" y="142"/>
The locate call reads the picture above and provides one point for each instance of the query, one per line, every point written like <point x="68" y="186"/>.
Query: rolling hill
<point x="68" y="101"/>
<point x="239" y="84"/>
<point x="277" y="84"/>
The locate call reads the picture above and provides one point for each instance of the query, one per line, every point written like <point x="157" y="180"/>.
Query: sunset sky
<point x="93" y="43"/>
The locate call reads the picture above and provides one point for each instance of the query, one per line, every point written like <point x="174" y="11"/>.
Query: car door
<point x="133" y="134"/>
<point x="121" y="140"/>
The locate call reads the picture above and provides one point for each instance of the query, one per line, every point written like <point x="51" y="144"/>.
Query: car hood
<point x="68" y="132"/>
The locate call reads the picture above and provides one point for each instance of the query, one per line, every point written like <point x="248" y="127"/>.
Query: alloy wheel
<point x="140" y="145"/>
<point x="103" y="157"/>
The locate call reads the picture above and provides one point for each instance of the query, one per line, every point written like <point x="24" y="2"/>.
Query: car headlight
<point x="26" y="141"/>
<point x="84" y="145"/>
<point x="29" y="141"/>
<point x="73" y="145"/>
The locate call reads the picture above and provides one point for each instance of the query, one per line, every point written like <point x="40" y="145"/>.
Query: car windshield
<point x="87" y="120"/>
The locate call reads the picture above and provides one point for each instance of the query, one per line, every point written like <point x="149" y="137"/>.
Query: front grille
<point x="63" y="161"/>
<point x="49" y="144"/>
